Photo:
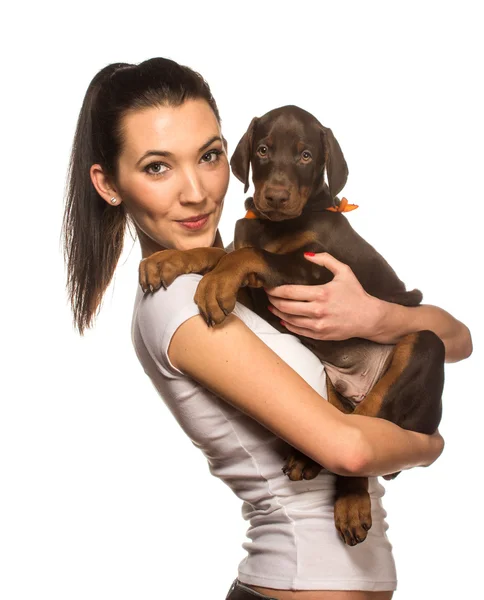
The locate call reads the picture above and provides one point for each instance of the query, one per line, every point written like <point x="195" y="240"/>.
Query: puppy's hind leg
<point x="352" y="504"/>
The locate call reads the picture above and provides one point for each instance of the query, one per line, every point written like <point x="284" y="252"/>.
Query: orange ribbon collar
<point x="344" y="206"/>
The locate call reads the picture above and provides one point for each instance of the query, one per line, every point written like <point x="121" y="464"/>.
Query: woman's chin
<point x="204" y="239"/>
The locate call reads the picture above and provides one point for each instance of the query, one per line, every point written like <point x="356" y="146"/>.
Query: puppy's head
<point x="288" y="150"/>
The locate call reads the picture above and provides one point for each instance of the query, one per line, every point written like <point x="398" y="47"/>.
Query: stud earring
<point x="113" y="200"/>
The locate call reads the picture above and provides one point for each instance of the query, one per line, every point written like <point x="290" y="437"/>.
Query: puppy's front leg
<point x="217" y="291"/>
<point x="162" y="268"/>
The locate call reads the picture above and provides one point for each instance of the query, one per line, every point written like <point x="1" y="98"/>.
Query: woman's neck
<point x="149" y="247"/>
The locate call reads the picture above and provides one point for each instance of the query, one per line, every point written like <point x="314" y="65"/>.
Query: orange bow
<point x="343" y="206"/>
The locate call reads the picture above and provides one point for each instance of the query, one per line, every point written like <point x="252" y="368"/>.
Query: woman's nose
<point x="193" y="189"/>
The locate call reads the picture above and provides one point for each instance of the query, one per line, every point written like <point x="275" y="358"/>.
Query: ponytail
<point x="93" y="231"/>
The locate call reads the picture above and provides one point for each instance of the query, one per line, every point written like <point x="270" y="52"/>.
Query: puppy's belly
<point x="354" y="382"/>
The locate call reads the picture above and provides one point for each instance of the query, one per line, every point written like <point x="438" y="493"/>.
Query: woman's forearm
<point x="232" y="362"/>
<point x="393" y="321"/>
<point x="383" y="448"/>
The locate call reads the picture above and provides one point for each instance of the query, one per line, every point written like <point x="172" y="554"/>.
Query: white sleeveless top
<point x="292" y="540"/>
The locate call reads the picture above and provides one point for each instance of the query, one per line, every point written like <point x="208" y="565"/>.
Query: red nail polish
<point x="269" y="308"/>
<point x="309" y="254"/>
<point x="282" y="323"/>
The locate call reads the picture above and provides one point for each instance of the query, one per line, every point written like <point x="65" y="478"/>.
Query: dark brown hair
<point x="92" y="230"/>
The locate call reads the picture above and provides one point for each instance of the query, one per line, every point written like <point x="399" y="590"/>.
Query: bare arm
<point x="393" y="321"/>
<point x="342" y="309"/>
<point x="235" y="364"/>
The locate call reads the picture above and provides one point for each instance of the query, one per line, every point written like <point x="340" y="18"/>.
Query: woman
<point x="148" y="148"/>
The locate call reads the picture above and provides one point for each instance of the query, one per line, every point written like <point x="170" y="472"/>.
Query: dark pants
<point x="239" y="591"/>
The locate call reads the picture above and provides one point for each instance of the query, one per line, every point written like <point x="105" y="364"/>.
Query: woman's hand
<point x="341" y="309"/>
<point x="337" y="310"/>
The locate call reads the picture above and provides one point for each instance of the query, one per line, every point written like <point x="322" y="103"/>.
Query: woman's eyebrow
<point x="214" y="138"/>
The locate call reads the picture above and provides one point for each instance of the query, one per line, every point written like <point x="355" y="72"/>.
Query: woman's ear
<point x="103" y="185"/>
<point x="240" y="161"/>
<point x="334" y="162"/>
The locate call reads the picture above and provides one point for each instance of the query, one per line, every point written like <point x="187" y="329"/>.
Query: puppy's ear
<point x="240" y="161"/>
<point x="334" y="162"/>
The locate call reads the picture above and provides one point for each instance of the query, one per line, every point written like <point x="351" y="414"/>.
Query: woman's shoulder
<point x="157" y="315"/>
<point x="182" y="288"/>
<point x="156" y="310"/>
<point x="176" y="304"/>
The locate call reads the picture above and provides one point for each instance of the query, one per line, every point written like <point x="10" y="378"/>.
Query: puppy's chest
<point x="279" y="238"/>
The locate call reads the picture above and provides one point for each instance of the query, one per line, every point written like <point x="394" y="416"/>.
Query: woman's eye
<point x="262" y="150"/>
<point x="213" y="154"/>
<point x="306" y="155"/>
<point x="156" y="168"/>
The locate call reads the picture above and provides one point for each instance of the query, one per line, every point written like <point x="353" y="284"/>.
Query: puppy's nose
<point x="276" y="196"/>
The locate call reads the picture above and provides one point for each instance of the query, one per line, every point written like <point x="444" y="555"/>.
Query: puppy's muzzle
<point x="276" y="197"/>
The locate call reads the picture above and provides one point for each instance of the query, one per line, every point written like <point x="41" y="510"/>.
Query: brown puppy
<point x="289" y="151"/>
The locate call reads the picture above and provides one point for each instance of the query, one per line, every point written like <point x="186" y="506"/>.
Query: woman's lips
<point x="193" y="225"/>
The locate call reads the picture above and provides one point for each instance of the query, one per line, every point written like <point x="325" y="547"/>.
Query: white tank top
<point x="292" y="541"/>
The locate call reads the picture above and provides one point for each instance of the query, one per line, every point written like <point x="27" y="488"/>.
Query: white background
<point x="102" y="495"/>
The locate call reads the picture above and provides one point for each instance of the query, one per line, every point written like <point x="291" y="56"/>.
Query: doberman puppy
<point x="289" y="151"/>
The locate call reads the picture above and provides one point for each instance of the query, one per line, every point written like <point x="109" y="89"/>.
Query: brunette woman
<point x="149" y="152"/>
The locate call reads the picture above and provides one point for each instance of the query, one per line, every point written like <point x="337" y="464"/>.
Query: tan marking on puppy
<point x="163" y="267"/>
<point x="352" y="509"/>
<point x="334" y="399"/>
<point x="300" y="146"/>
<point x="371" y="405"/>
<point x="217" y="292"/>
<point x="298" y="466"/>
<point x="290" y="242"/>
<point x="304" y="193"/>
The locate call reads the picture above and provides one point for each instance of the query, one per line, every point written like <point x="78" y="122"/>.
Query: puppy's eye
<point x="306" y="156"/>
<point x="262" y="150"/>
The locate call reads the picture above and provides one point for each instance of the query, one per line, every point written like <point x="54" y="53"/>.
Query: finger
<point x="304" y="293"/>
<point x="324" y="259"/>
<point x="294" y="319"/>
<point x="285" y="308"/>
<point x="303" y="331"/>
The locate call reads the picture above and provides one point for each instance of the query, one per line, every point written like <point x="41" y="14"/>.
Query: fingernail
<point x="269" y="308"/>
<point x="309" y="254"/>
<point x="282" y="323"/>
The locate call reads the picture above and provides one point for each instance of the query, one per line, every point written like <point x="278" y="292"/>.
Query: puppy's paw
<point x="162" y="268"/>
<point x="298" y="466"/>
<point x="216" y="296"/>
<point x="352" y="516"/>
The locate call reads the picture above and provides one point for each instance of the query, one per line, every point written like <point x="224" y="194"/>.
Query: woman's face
<point x="173" y="168"/>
